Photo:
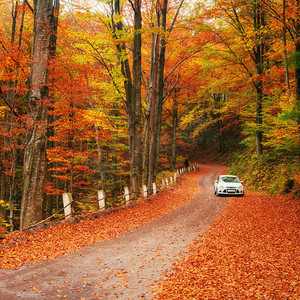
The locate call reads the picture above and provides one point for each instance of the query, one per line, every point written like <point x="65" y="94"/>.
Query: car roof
<point x="228" y="176"/>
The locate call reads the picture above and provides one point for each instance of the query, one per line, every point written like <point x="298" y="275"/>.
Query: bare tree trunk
<point x="35" y="153"/>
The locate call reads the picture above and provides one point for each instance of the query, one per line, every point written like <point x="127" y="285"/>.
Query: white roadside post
<point x="171" y="180"/>
<point x="167" y="182"/>
<point x="127" y="195"/>
<point x="154" y="188"/>
<point x="145" y="193"/>
<point x="67" y="200"/>
<point x="101" y="199"/>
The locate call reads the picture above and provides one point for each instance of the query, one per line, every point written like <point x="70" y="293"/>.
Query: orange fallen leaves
<point x="250" y="252"/>
<point x="21" y="248"/>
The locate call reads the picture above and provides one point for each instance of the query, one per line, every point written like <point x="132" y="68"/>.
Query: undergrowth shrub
<point x="269" y="173"/>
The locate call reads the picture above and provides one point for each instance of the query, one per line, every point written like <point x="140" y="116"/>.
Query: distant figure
<point x="186" y="163"/>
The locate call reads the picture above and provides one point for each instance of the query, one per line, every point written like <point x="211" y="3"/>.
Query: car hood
<point x="230" y="184"/>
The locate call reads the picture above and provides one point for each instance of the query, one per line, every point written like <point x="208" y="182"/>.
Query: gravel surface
<point x="126" y="267"/>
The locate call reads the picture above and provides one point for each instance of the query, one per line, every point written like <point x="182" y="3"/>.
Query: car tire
<point x="216" y="193"/>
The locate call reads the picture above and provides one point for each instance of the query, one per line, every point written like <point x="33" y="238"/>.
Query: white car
<point x="229" y="185"/>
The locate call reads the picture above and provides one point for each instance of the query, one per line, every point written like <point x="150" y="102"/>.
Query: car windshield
<point x="230" y="179"/>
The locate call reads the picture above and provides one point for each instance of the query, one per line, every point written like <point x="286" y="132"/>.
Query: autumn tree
<point x="45" y="25"/>
<point x="14" y="53"/>
<point x="132" y="85"/>
<point x="286" y="15"/>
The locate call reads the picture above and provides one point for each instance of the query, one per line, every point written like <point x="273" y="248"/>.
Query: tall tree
<point x="158" y="96"/>
<point x="45" y="30"/>
<point x="290" y="24"/>
<point x="132" y="86"/>
<point x="247" y="19"/>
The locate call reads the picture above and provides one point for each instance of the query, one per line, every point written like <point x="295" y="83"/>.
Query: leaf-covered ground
<point x="252" y="251"/>
<point x="21" y="248"/>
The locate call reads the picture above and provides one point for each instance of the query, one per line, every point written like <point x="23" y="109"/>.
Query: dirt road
<point x="126" y="267"/>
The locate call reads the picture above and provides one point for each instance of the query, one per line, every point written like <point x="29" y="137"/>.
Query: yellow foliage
<point x="2" y="110"/>
<point x="98" y="119"/>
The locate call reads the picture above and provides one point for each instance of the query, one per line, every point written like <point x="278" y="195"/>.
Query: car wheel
<point x="216" y="192"/>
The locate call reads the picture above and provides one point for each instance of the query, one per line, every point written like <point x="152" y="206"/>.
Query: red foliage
<point x="250" y="252"/>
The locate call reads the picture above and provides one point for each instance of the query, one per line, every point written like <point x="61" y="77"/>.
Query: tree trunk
<point x="259" y="62"/>
<point x="297" y="68"/>
<point x="174" y="130"/>
<point x="136" y="108"/>
<point x="151" y="100"/>
<point x="145" y="153"/>
<point x="155" y="139"/>
<point x="10" y="119"/>
<point x="259" y="134"/>
<point x="297" y="75"/>
<point x="174" y="139"/>
<point x="35" y="153"/>
<point x="133" y="93"/>
<point x="287" y="77"/>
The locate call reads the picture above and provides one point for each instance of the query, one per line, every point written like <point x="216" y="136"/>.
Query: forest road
<point x="126" y="267"/>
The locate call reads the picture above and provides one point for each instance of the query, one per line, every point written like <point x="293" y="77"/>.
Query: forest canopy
<point x="104" y="94"/>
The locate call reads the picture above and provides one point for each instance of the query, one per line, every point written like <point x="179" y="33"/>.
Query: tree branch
<point x="175" y="17"/>
<point x="29" y="6"/>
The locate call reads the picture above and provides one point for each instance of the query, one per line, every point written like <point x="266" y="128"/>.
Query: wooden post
<point x="167" y="182"/>
<point x="175" y="177"/>
<point x="127" y="195"/>
<point x="67" y="200"/>
<point x="145" y="192"/>
<point x="154" y="188"/>
<point x="101" y="199"/>
<point x="163" y="183"/>
<point x="171" y="180"/>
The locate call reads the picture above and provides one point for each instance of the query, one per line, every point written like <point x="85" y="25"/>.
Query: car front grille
<point x="231" y="190"/>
